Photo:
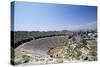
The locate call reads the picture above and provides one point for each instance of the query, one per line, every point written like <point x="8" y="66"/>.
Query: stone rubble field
<point x="57" y="49"/>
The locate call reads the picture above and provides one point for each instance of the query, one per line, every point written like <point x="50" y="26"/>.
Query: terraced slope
<point x="42" y="45"/>
<point x="57" y="49"/>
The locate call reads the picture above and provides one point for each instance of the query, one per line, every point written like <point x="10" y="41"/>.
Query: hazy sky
<point x="45" y="17"/>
